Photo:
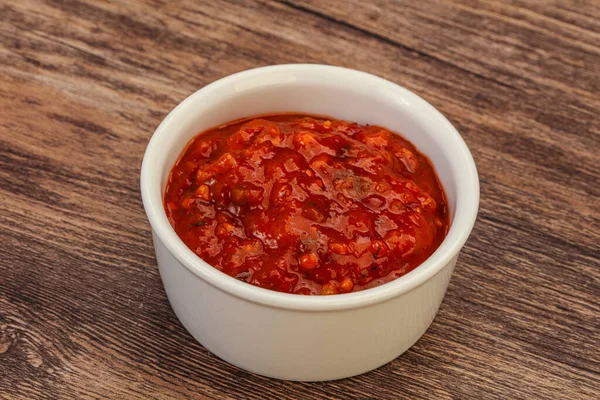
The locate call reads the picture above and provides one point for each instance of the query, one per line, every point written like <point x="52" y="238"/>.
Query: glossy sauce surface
<point x="306" y="205"/>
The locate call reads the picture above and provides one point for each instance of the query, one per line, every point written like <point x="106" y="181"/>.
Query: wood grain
<point x="84" y="84"/>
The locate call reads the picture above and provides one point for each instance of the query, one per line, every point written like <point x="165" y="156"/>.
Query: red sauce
<point x="306" y="205"/>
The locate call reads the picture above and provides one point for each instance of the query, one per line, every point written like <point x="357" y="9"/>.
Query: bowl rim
<point x="467" y="202"/>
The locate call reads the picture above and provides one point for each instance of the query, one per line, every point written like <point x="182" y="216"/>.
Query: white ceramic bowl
<point x="290" y="336"/>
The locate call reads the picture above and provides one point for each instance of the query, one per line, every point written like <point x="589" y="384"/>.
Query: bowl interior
<point x="328" y="91"/>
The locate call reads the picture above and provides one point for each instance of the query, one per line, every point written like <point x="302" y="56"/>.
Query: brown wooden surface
<point x="84" y="83"/>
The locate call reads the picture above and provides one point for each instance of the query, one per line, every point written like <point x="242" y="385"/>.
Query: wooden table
<point x="84" y="84"/>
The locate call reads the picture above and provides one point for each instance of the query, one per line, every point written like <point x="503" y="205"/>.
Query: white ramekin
<point x="296" y="337"/>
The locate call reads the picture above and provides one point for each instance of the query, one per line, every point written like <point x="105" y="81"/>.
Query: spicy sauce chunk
<point x="306" y="205"/>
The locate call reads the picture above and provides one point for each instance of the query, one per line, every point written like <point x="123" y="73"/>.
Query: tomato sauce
<point x="306" y="205"/>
